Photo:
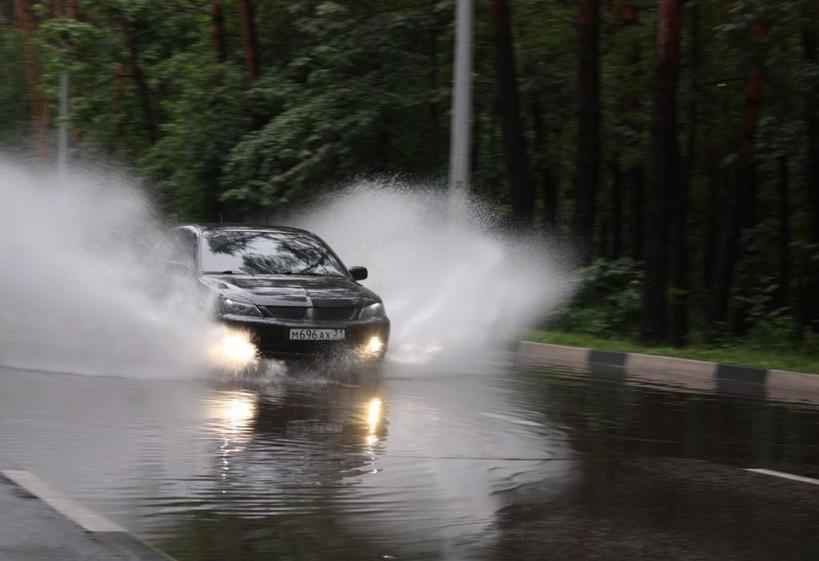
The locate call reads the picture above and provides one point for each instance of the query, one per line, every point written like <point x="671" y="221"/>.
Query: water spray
<point x="453" y="282"/>
<point x="77" y="292"/>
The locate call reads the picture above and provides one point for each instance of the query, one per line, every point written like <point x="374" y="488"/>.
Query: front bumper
<point x="272" y="336"/>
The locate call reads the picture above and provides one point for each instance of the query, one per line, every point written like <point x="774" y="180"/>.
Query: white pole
<point x="62" y="131"/>
<point x="460" y="134"/>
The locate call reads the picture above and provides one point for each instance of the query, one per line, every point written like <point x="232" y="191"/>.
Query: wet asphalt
<point x="423" y="462"/>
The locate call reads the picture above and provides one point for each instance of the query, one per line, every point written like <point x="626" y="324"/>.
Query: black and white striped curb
<point x="698" y="375"/>
<point x="122" y="543"/>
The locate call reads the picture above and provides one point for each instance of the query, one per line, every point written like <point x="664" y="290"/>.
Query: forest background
<point x="673" y="144"/>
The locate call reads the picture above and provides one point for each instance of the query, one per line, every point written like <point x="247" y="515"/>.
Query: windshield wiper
<point x="302" y="273"/>
<point x="312" y="274"/>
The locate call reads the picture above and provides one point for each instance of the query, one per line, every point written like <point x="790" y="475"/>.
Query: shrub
<point x="607" y="302"/>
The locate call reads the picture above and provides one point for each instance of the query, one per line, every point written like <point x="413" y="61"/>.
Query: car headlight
<point x="236" y="307"/>
<point x="373" y="311"/>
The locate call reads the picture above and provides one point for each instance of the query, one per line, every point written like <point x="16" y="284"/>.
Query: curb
<point x="102" y="530"/>
<point x="696" y="375"/>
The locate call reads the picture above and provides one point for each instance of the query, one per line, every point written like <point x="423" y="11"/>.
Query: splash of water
<point x="454" y="284"/>
<point x="76" y="293"/>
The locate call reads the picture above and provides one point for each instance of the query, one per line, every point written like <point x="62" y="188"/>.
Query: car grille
<point x="333" y="314"/>
<point x="319" y="314"/>
<point x="286" y="312"/>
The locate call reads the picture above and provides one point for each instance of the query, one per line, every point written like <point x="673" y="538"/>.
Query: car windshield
<point x="247" y="252"/>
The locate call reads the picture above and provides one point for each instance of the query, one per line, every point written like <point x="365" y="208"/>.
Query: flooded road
<point x="492" y="462"/>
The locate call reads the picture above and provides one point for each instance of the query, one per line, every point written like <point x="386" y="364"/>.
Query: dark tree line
<point x="678" y="138"/>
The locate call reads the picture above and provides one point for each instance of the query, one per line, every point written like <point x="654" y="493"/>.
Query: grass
<point x="756" y="357"/>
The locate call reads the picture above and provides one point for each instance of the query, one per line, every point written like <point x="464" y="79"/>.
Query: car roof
<point x="203" y="228"/>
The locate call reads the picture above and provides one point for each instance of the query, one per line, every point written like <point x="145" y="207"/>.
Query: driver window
<point x="182" y="250"/>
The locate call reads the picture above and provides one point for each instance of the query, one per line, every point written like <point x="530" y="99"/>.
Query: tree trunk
<point x="434" y="150"/>
<point x="249" y="38"/>
<point x="477" y="127"/>
<point x="716" y="185"/>
<point x="120" y="80"/>
<point x="617" y="209"/>
<point x="784" y="238"/>
<point x="746" y="168"/>
<point x="8" y="11"/>
<point x="738" y="209"/>
<point x="218" y="30"/>
<point x="71" y="10"/>
<point x="604" y="227"/>
<point x="810" y="303"/>
<point x="550" y="201"/>
<point x="636" y="187"/>
<point x="715" y="188"/>
<point x="725" y="254"/>
<point x="680" y="282"/>
<point x="587" y="172"/>
<point x="142" y="86"/>
<point x="40" y="105"/>
<point x="663" y="171"/>
<point x="521" y="191"/>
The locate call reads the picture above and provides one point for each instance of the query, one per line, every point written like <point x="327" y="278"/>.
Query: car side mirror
<point x="358" y="273"/>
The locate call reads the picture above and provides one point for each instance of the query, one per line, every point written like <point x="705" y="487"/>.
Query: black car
<point x="287" y="288"/>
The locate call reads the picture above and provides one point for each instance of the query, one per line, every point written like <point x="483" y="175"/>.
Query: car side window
<point x="182" y="248"/>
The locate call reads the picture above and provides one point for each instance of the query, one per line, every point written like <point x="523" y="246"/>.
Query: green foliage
<point x="348" y="102"/>
<point x="207" y="114"/>
<point x="756" y="290"/>
<point x="13" y="95"/>
<point x="359" y="88"/>
<point x="87" y="53"/>
<point x="607" y="302"/>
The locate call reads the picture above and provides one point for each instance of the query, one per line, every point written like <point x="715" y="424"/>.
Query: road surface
<point x="486" y="462"/>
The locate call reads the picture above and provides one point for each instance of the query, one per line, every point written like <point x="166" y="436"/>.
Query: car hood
<point x="280" y="290"/>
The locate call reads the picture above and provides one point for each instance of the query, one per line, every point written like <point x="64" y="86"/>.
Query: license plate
<point x="316" y="334"/>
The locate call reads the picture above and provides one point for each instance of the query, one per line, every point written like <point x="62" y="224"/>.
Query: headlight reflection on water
<point x="232" y="414"/>
<point x="239" y="412"/>
<point x="232" y="411"/>
<point x="374" y="407"/>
